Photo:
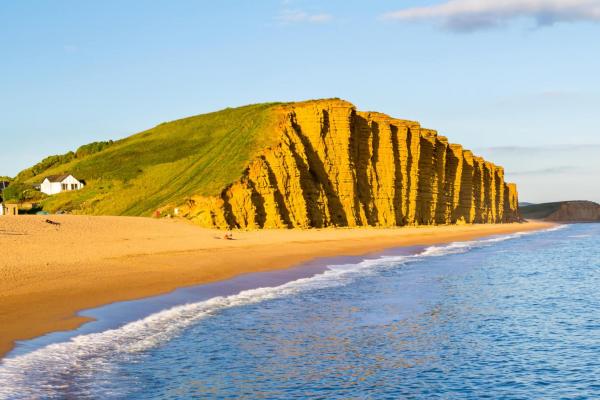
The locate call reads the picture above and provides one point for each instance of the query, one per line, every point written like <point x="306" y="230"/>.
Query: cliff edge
<point x="282" y="165"/>
<point x="335" y="166"/>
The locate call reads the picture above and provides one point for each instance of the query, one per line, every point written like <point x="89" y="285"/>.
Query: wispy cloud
<point x="298" y="16"/>
<point x="592" y="147"/>
<point x="472" y="15"/>
<point x="564" y="169"/>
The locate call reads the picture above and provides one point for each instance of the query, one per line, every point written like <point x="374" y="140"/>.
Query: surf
<point x="43" y="370"/>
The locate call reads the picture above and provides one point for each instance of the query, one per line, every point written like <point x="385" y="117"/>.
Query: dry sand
<point x="48" y="273"/>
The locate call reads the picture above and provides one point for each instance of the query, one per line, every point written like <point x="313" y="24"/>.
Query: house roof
<point x="58" y="178"/>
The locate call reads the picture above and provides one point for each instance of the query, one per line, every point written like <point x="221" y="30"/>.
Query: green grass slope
<point x="163" y="165"/>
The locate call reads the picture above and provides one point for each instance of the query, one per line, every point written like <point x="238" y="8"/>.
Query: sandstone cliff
<point x="336" y="166"/>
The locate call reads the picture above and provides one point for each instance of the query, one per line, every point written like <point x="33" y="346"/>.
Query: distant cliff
<point x="310" y="164"/>
<point x="564" y="211"/>
<point x="335" y="166"/>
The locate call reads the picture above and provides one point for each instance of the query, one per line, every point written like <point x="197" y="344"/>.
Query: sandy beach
<point x="50" y="272"/>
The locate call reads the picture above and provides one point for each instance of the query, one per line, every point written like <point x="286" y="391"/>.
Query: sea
<point x="505" y="317"/>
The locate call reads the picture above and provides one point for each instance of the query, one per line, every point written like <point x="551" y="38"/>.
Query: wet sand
<point x="48" y="273"/>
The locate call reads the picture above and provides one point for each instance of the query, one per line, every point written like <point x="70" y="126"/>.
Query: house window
<point x="64" y="186"/>
<point x="73" y="186"/>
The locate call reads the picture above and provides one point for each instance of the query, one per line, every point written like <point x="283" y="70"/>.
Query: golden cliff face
<point x="335" y="166"/>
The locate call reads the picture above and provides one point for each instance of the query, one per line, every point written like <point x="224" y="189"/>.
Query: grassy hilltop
<point x="163" y="165"/>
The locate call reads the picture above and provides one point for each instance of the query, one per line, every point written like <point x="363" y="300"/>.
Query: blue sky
<point x="516" y="81"/>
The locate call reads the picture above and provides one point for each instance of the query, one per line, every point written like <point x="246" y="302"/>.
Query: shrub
<point x="44" y="165"/>
<point x="92" y="148"/>
<point x="21" y="192"/>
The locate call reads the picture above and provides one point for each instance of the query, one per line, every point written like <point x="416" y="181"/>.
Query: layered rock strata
<point x="336" y="166"/>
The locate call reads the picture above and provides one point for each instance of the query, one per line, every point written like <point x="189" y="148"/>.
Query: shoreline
<point x="52" y="273"/>
<point x="116" y="315"/>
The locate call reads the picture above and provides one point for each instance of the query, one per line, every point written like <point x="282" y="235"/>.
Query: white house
<point x="60" y="183"/>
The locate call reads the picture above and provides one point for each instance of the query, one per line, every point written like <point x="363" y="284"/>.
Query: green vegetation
<point x="160" y="166"/>
<point x="19" y="192"/>
<point x="55" y="161"/>
<point x="92" y="148"/>
<point x="45" y="165"/>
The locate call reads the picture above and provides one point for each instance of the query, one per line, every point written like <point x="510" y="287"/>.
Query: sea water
<point x="513" y="317"/>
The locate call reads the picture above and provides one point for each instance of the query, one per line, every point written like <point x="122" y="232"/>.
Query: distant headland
<point x="563" y="211"/>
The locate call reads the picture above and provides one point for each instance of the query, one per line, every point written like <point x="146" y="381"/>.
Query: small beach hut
<point x="9" y="209"/>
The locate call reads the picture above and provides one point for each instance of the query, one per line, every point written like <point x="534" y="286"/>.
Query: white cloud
<point x="298" y="16"/>
<point x="471" y="15"/>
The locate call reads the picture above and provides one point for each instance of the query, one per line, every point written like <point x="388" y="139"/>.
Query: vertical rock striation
<point x="335" y="166"/>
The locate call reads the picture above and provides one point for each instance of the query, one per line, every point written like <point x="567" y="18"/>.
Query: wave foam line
<point x="44" y="371"/>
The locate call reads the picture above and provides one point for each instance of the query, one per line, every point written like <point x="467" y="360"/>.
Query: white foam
<point x="462" y="247"/>
<point x="555" y="228"/>
<point x="36" y="373"/>
<point x="42" y="371"/>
